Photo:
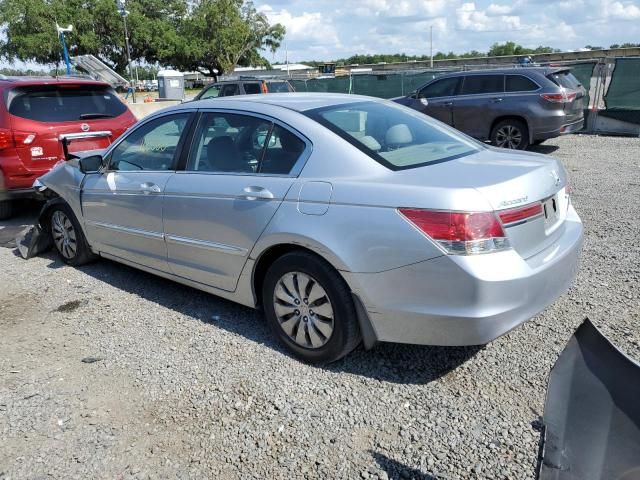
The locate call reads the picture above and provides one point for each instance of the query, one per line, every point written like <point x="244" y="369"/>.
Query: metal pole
<point x="65" y="52"/>
<point x="126" y="41"/>
<point x="431" y="44"/>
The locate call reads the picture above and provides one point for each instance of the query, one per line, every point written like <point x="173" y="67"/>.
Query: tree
<point x="217" y="35"/>
<point x="97" y="29"/>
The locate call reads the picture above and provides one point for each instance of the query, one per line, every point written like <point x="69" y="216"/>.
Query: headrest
<point x="398" y="135"/>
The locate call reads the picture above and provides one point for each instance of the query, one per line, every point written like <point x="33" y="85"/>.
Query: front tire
<point x="309" y="308"/>
<point x="67" y="236"/>
<point x="510" y="133"/>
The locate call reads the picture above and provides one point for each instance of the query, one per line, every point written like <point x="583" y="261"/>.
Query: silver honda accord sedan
<point x="347" y="219"/>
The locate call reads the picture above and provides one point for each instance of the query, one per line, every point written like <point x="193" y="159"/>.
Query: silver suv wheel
<point x="508" y="136"/>
<point x="64" y="235"/>
<point x="303" y="310"/>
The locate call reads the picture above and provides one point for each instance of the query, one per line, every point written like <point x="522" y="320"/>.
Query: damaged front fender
<point x="592" y="412"/>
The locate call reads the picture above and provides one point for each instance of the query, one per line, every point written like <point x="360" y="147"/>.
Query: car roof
<point x="299" y="102"/>
<point x="508" y="70"/>
<point x="267" y="80"/>
<point x="28" y="81"/>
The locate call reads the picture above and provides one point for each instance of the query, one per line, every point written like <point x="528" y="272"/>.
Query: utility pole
<point x="431" y="43"/>
<point x="124" y="13"/>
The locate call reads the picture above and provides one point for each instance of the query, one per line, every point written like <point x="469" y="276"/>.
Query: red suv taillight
<point x="13" y="138"/>
<point x="461" y="233"/>
<point x="563" y="97"/>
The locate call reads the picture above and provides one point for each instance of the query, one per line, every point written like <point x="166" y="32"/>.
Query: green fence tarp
<point x="624" y="89"/>
<point x="583" y="72"/>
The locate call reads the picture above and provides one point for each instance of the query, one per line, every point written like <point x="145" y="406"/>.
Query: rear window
<point x="57" y="103"/>
<point x="251" y="88"/>
<point x="564" y="79"/>
<point x="279" y="87"/>
<point x="394" y="136"/>
<point x="520" y="83"/>
<point x="476" y="84"/>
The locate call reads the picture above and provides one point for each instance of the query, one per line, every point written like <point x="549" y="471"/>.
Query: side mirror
<point x="91" y="164"/>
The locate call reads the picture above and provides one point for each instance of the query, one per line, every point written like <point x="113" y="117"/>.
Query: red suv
<point x="40" y="118"/>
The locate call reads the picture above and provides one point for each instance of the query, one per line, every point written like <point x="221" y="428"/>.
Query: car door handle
<point x="447" y="104"/>
<point x="149" y="187"/>
<point x="496" y="99"/>
<point x="255" y="193"/>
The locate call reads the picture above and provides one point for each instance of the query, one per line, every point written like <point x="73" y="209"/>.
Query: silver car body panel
<point x="209" y="230"/>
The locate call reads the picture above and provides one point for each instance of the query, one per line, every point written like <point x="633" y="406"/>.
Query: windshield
<point x="394" y="136"/>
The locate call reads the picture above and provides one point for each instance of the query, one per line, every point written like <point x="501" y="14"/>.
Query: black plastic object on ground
<point x="33" y="240"/>
<point x="592" y="412"/>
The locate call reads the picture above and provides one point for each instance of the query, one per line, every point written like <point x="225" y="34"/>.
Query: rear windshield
<point x="397" y="137"/>
<point x="279" y="87"/>
<point x="564" y="79"/>
<point x="63" y="103"/>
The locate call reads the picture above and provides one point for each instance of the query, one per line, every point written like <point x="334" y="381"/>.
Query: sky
<point x="331" y="29"/>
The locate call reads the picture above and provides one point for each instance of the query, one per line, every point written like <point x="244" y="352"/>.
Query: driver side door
<point x="122" y="206"/>
<point x="439" y="96"/>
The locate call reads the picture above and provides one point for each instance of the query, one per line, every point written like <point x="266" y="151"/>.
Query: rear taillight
<point x="461" y="233"/>
<point x="6" y="138"/>
<point x="564" y="97"/>
<point x="13" y="138"/>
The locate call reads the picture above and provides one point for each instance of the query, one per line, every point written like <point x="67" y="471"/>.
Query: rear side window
<point x="279" y="87"/>
<point x="520" y="83"/>
<point x="477" y="84"/>
<point x="440" y="88"/>
<point x="229" y="90"/>
<point x="251" y="88"/>
<point x="58" y="103"/>
<point x="564" y="79"/>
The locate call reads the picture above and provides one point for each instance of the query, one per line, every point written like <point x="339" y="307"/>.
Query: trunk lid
<point x="574" y="109"/>
<point x="507" y="180"/>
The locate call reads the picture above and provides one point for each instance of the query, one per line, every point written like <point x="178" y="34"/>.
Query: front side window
<point x="396" y="137"/>
<point x="153" y="146"/>
<point x="441" y="88"/>
<point x="251" y="88"/>
<point x="478" y="84"/>
<point x="211" y="92"/>
<point x="230" y="89"/>
<point x="520" y="83"/>
<point x="232" y="143"/>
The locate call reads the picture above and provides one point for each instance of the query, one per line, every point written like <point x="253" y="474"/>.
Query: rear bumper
<point x="468" y="300"/>
<point x="547" y="132"/>
<point x="17" y="193"/>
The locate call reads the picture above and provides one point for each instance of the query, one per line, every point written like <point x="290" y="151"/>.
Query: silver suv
<point x="512" y="108"/>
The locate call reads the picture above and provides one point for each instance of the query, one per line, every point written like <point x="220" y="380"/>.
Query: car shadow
<point x="545" y="149"/>
<point x="27" y="213"/>
<point x="396" y="363"/>
<point x="396" y="470"/>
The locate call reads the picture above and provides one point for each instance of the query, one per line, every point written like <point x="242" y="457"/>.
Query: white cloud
<point x="624" y="11"/>
<point x="304" y="27"/>
<point x="470" y="18"/>
<point x="495" y="9"/>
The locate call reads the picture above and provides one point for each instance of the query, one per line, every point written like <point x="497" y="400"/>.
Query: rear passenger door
<point x="239" y="170"/>
<point x="478" y="104"/>
<point x="436" y="99"/>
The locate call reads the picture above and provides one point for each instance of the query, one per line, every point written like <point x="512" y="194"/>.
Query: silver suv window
<point x="445" y="87"/>
<point x="520" y="83"/>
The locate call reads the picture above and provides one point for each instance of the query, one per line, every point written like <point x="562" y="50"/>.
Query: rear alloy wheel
<point x="512" y="134"/>
<point x="309" y="308"/>
<point x="68" y="237"/>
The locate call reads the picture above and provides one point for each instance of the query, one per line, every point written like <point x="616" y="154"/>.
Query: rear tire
<point x="67" y="236"/>
<point x="295" y="285"/>
<point x="6" y="209"/>
<point x="510" y="133"/>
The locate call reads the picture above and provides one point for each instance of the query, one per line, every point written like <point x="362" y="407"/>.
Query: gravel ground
<point x="107" y="372"/>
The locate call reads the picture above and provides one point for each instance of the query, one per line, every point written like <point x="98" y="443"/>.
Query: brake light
<point x="563" y="97"/>
<point x="460" y="233"/>
<point x="264" y="87"/>
<point x="520" y="213"/>
<point x="6" y="138"/>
